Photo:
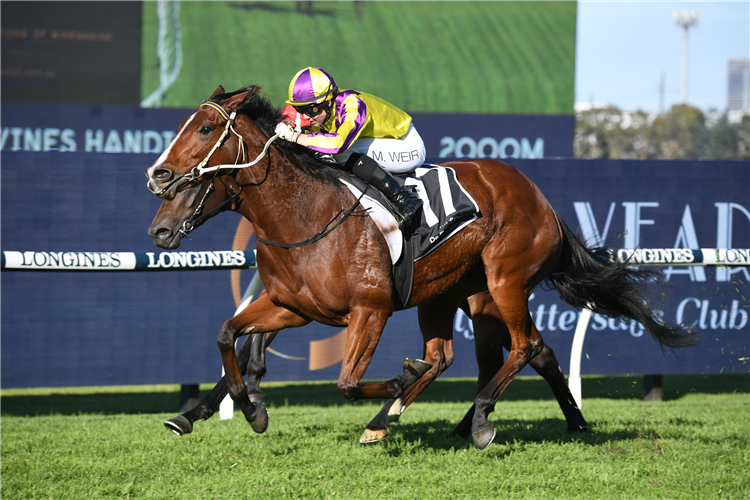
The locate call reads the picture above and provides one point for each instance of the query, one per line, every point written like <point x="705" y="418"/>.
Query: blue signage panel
<point x="127" y="129"/>
<point x="79" y="328"/>
<point x="505" y="137"/>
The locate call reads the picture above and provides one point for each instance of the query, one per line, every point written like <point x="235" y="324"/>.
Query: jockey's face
<point x="319" y="119"/>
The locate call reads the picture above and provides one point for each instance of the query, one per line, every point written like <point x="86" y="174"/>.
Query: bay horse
<point x="321" y="261"/>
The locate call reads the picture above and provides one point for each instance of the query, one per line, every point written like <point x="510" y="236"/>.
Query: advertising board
<point x="77" y="328"/>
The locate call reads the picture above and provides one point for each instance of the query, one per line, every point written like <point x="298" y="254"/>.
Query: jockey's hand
<point x="286" y="132"/>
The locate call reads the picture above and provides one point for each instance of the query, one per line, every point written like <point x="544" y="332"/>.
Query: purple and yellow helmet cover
<point x="311" y="86"/>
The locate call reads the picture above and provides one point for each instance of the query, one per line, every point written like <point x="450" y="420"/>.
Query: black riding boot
<point x="404" y="201"/>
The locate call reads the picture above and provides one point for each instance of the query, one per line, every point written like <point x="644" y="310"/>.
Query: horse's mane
<point x="259" y="109"/>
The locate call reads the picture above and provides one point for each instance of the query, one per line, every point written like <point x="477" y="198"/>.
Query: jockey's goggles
<point x="311" y="110"/>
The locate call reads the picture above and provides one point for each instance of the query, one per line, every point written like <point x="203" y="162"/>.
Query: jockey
<point x="365" y="134"/>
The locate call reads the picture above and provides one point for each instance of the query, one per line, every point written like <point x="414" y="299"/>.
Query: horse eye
<point x="205" y="130"/>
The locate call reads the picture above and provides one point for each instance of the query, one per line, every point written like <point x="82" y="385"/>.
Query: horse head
<point x="200" y="138"/>
<point x="190" y="196"/>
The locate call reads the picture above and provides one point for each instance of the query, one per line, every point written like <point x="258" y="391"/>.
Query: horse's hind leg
<point x="526" y="342"/>
<point x="183" y="424"/>
<point x="545" y="363"/>
<point x="436" y="324"/>
<point x="490" y="332"/>
<point x="490" y="336"/>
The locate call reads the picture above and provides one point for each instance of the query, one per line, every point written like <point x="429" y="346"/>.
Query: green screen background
<point x="429" y="57"/>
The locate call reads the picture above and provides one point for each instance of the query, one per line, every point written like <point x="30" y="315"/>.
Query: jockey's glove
<point x="286" y="132"/>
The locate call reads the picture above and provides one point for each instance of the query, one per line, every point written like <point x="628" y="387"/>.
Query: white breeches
<point x="394" y="155"/>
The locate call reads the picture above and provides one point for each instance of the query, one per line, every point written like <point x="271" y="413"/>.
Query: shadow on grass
<point x="325" y="394"/>
<point x="512" y="434"/>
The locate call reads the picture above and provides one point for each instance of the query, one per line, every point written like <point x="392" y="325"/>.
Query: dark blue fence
<point x="63" y="329"/>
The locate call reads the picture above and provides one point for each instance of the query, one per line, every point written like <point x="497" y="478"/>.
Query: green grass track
<point x="109" y="443"/>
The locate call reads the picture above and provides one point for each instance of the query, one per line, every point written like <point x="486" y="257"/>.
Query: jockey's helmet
<point x="311" y="86"/>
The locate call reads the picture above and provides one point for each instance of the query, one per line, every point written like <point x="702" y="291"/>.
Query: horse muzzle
<point x="162" y="182"/>
<point x="164" y="236"/>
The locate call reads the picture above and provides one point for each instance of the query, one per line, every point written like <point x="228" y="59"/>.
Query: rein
<point x="198" y="216"/>
<point x="199" y="170"/>
<point x="319" y="236"/>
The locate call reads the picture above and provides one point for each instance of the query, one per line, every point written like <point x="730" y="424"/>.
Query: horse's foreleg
<point x="255" y="363"/>
<point x="363" y="334"/>
<point x="183" y="424"/>
<point x="436" y="324"/>
<point x="261" y="316"/>
<point x="256" y="370"/>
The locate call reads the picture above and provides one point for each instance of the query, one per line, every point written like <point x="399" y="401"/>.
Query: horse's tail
<point x="592" y="278"/>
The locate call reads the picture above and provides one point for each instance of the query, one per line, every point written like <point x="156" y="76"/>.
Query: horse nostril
<point x="162" y="232"/>
<point x="161" y="175"/>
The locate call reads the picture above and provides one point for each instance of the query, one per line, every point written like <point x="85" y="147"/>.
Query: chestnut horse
<point x="323" y="260"/>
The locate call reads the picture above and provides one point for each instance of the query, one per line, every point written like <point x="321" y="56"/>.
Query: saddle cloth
<point x="446" y="209"/>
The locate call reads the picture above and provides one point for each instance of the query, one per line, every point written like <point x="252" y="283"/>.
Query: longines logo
<point x="168" y="260"/>
<point x="68" y="260"/>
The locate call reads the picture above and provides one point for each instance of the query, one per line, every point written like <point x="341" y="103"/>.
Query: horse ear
<point x="219" y="90"/>
<point x="236" y="101"/>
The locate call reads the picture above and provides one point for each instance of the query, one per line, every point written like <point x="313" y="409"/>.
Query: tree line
<point x="683" y="132"/>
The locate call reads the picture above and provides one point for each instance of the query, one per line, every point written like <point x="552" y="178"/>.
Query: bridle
<point x="198" y="171"/>
<point x="201" y="169"/>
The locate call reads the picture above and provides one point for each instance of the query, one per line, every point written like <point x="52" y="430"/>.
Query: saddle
<point x="447" y="208"/>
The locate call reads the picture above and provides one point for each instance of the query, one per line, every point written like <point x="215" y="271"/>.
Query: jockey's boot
<point x="403" y="200"/>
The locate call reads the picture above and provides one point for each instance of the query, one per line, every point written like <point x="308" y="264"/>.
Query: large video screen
<point x="425" y="57"/>
<point x="71" y="52"/>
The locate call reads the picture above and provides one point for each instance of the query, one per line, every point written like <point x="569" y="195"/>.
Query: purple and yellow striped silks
<point x="311" y="85"/>
<point x="358" y="115"/>
<point x="217" y="108"/>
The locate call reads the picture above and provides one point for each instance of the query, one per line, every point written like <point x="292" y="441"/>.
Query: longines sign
<point x="127" y="261"/>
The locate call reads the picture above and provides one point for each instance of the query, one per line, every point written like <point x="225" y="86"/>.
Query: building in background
<point x="738" y="89"/>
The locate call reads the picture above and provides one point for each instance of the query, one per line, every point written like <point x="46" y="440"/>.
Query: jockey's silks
<point x="357" y="115"/>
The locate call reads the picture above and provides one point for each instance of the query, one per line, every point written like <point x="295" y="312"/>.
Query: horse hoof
<point x="179" y="425"/>
<point x="260" y="424"/>
<point x="484" y="436"/>
<point x="373" y="436"/>
<point x="417" y="366"/>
